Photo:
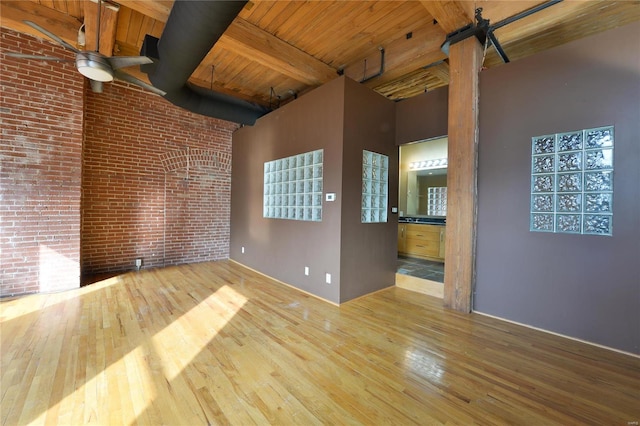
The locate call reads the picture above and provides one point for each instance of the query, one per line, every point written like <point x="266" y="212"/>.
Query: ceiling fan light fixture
<point x="94" y="66"/>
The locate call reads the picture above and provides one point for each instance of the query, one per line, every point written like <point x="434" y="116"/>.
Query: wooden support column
<point x="465" y="60"/>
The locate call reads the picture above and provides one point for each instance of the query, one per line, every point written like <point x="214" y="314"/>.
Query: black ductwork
<point x="191" y="31"/>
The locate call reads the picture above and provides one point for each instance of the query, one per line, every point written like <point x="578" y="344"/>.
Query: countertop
<point x="423" y="220"/>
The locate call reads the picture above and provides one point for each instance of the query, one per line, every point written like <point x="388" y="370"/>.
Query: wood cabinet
<point x="424" y="241"/>
<point x="402" y="237"/>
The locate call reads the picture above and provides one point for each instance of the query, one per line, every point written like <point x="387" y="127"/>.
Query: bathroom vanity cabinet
<point x="422" y="240"/>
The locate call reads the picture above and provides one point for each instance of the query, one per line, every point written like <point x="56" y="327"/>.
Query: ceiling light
<point x="428" y="164"/>
<point x="94" y="66"/>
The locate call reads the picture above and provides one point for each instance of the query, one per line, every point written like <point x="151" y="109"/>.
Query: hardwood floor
<point x="215" y="343"/>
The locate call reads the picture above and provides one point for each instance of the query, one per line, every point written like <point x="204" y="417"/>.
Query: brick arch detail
<point x="195" y="158"/>
<point x="196" y="206"/>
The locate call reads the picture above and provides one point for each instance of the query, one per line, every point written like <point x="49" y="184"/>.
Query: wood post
<point x="465" y="61"/>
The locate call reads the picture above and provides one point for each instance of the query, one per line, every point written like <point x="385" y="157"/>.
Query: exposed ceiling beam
<point x="410" y="85"/>
<point x="440" y="71"/>
<point x="108" y="24"/>
<point x="13" y="13"/>
<point x="403" y="56"/>
<point x="253" y="43"/>
<point x="449" y="13"/>
<point x="244" y="38"/>
<point x="156" y="9"/>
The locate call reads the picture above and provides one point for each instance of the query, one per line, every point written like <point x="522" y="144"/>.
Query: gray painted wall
<point x="423" y="117"/>
<point x="342" y="117"/>
<point x="586" y="287"/>
<point x="369" y="254"/>
<point x="282" y="248"/>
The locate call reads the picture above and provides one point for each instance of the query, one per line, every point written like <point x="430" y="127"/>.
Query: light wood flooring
<point x="215" y="343"/>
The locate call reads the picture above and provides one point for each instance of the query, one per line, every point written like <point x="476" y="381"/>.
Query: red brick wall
<point x="41" y="105"/>
<point x="156" y="182"/>
<point x="152" y="181"/>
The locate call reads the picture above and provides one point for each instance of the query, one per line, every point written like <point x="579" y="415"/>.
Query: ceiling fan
<point x="97" y="67"/>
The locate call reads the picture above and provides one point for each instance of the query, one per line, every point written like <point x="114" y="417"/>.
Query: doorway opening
<point x="422" y="216"/>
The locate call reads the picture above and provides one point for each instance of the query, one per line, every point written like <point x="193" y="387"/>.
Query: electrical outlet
<point x="139" y="263"/>
<point x="328" y="278"/>
<point x="242" y="250"/>
<point x="306" y="270"/>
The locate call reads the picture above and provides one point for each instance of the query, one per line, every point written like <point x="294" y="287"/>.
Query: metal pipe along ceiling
<point x="191" y="31"/>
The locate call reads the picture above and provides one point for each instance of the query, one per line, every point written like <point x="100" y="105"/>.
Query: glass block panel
<point x="570" y="223"/>
<point x="544" y="144"/>
<point x="570" y="182"/>
<point x="571" y="141"/>
<point x="599" y="138"/>
<point x="543" y="164"/>
<point x="542" y="203"/>
<point x="569" y="202"/>
<point x="597" y="224"/>
<point x="570" y="161"/>
<point x="598" y="181"/>
<point x="542" y="183"/>
<point x="598" y="203"/>
<point x="375" y="180"/>
<point x="437" y="201"/>
<point x="542" y="222"/>
<point x="599" y="159"/>
<point x="289" y="190"/>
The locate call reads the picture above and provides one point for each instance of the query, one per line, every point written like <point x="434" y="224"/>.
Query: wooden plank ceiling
<point x="276" y="50"/>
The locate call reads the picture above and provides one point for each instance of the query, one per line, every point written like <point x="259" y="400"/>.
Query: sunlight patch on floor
<point x="195" y="330"/>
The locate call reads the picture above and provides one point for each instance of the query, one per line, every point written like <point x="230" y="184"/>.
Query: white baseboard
<point x="559" y="334"/>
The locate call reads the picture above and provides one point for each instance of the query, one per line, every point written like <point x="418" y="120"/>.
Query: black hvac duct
<point x="191" y="31"/>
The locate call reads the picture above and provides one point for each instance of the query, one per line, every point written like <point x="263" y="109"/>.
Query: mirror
<point x="418" y="177"/>
<point x="418" y="185"/>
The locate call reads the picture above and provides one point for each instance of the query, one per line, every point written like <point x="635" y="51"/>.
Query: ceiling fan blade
<point x="38" y="57"/>
<point x="127" y="61"/>
<point x="51" y="35"/>
<point x="133" y="80"/>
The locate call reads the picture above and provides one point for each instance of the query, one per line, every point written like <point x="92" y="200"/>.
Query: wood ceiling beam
<point x="13" y="13"/>
<point x="402" y="56"/>
<point x="108" y="24"/>
<point x="255" y="44"/>
<point x="440" y="71"/>
<point x="246" y="39"/>
<point x="156" y="9"/>
<point x="449" y="13"/>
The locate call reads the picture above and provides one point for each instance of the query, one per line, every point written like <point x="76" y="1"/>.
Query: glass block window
<point x="572" y="182"/>
<point x="375" y="181"/>
<point x="293" y="187"/>
<point x="437" y="201"/>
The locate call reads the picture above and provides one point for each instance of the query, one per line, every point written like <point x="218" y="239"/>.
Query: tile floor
<point x="421" y="268"/>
